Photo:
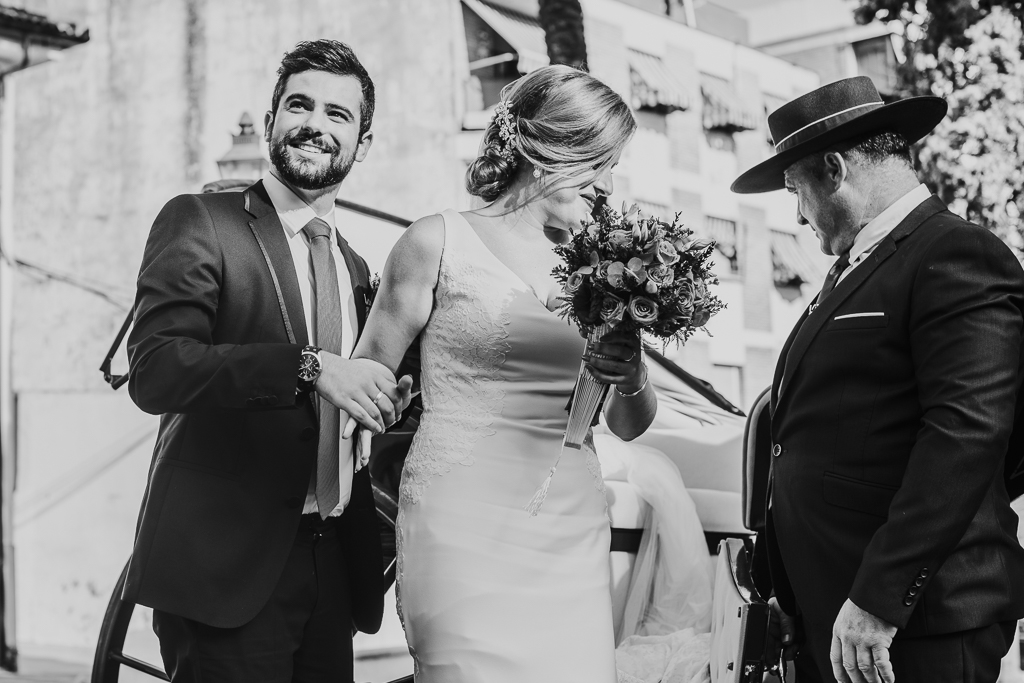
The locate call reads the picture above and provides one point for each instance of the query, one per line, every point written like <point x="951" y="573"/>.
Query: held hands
<point x="364" y="390"/>
<point x="860" y="647"/>
<point x="616" y="359"/>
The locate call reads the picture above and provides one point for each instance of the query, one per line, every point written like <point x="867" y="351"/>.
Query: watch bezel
<point x="310" y="365"/>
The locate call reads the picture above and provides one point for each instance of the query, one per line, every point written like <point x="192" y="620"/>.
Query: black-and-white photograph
<point x="511" y="341"/>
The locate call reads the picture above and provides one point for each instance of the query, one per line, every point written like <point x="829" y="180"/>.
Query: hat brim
<point x="913" y="118"/>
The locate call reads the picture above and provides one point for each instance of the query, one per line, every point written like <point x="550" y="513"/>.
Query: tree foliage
<point x="563" y="31"/>
<point x="939" y="22"/>
<point x="968" y="52"/>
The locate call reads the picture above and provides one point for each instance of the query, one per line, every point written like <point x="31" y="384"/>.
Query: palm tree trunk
<point x="563" y="32"/>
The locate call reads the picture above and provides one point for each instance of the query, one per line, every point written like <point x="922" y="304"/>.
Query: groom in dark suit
<point x="258" y="545"/>
<point x="889" y="531"/>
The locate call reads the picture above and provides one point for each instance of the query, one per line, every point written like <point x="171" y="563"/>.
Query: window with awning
<point x="521" y="38"/>
<point x="654" y="86"/>
<point x="725" y="234"/>
<point x="792" y="265"/>
<point x="724" y="108"/>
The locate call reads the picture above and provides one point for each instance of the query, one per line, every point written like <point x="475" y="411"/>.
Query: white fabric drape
<point x="665" y="630"/>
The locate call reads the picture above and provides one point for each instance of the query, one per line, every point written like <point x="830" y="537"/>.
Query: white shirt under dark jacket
<point x="879" y="227"/>
<point x="294" y="214"/>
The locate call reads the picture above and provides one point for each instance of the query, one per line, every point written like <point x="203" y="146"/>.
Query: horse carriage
<point x="710" y="441"/>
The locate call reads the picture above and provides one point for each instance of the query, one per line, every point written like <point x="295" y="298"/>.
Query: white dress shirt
<point x="872" y="234"/>
<point x="294" y="214"/>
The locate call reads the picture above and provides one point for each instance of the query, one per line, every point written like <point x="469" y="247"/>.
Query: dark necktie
<point x="841" y="264"/>
<point x="831" y="280"/>
<point x="328" y="338"/>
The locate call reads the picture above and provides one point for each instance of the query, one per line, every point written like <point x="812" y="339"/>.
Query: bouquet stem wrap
<point x="587" y="398"/>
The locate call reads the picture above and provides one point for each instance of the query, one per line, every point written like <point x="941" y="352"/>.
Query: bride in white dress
<point x="489" y="593"/>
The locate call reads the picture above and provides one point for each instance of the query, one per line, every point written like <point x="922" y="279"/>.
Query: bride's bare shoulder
<point x="419" y="249"/>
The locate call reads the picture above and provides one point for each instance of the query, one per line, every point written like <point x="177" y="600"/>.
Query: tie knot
<point x="317" y="228"/>
<point x="842" y="261"/>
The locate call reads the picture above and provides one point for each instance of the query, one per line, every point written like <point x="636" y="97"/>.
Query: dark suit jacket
<point x="215" y="350"/>
<point x="891" y="432"/>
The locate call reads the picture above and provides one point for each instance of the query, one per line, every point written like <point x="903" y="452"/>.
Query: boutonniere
<point x="371" y="293"/>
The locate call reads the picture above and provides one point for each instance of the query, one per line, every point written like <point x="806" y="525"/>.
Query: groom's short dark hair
<point x="332" y="56"/>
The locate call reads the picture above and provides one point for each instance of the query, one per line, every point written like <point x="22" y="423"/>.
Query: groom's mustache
<point x="314" y="139"/>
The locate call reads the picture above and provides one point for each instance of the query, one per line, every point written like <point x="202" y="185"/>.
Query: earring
<point x="536" y="173"/>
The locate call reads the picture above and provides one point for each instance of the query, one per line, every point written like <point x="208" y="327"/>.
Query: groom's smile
<point x="315" y="133"/>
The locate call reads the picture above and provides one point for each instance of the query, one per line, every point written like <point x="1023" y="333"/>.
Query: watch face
<point x="309" y="367"/>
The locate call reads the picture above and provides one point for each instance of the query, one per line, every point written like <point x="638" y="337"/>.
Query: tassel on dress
<point x="533" y="507"/>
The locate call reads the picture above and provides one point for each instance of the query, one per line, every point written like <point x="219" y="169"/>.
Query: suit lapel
<point x="780" y="366"/>
<point x="359" y="277"/>
<point x="267" y="226"/>
<point x="812" y="323"/>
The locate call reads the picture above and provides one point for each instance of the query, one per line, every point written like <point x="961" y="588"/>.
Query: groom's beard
<point x="304" y="173"/>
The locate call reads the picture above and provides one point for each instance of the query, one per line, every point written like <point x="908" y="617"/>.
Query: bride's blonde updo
<point x="560" y="120"/>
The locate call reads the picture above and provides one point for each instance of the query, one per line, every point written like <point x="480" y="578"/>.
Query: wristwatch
<point x="310" y="365"/>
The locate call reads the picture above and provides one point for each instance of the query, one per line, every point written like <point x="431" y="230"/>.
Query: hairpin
<point x="506" y="130"/>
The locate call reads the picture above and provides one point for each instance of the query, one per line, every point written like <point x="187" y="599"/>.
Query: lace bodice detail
<point x="462" y="349"/>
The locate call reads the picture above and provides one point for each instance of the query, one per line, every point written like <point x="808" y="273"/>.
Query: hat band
<point x="822" y="125"/>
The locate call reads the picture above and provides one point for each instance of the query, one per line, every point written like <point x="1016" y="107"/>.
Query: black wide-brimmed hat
<point x="833" y="113"/>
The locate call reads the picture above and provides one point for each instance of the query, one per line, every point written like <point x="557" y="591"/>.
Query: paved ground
<point x="367" y="670"/>
<point x="47" y="671"/>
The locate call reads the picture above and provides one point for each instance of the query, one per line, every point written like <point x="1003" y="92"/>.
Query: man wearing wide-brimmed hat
<point x="889" y="530"/>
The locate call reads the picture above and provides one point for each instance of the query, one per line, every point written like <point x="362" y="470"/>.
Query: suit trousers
<point x="302" y="634"/>
<point x="963" y="657"/>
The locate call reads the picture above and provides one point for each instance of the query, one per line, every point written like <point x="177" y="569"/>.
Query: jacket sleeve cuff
<point x="889" y="601"/>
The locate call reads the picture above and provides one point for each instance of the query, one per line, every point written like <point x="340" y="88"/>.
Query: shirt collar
<point x="291" y="209"/>
<point x="881" y="225"/>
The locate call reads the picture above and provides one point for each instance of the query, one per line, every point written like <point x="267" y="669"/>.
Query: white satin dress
<point x="487" y="593"/>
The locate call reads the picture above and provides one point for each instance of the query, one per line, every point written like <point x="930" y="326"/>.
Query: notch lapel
<point x="780" y="366"/>
<point x="811" y="323"/>
<point x="266" y="226"/>
<point x="359" y="276"/>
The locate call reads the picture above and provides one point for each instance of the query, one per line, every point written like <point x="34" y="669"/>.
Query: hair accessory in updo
<point x="506" y="130"/>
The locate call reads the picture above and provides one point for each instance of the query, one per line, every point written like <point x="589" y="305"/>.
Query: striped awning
<point x="522" y="32"/>
<point x="653" y="85"/>
<point x="724" y="109"/>
<point x="792" y="265"/>
<point x="724" y="232"/>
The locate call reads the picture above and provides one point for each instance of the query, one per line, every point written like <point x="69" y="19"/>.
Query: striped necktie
<point x="832" y="279"/>
<point x="328" y="338"/>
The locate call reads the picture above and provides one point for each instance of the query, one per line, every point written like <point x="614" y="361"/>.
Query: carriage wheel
<point x="106" y="665"/>
<point x="110" y="657"/>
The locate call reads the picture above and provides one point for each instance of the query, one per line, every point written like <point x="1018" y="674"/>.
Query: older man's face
<point x="820" y="205"/>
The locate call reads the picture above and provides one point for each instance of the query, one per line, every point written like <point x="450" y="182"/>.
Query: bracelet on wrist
<point x="638" y="391"/>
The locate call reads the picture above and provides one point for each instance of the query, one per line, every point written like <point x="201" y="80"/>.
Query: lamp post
<point x="244" y="161"/>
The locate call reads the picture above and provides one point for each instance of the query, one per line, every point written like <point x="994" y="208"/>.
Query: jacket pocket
<point x="213" y="442"/>
<point x="853" y="494"/>
<point x="857" y="321"/>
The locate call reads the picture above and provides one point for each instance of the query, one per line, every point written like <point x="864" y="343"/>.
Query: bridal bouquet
<point x="636" y="273"/>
